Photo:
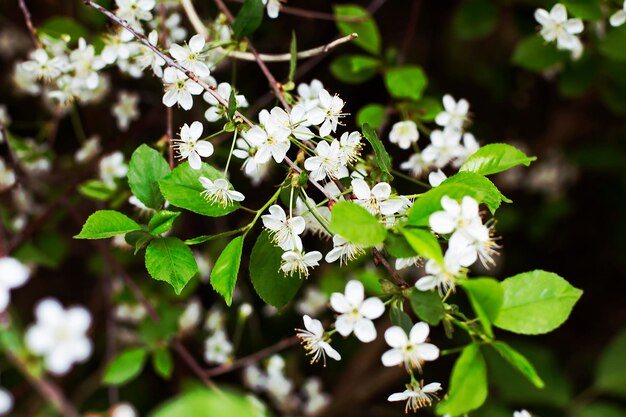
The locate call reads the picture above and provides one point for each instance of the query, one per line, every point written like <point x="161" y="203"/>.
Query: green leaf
<point x="462" y="184"/>
<point x="494" y="158"/>
<point x="183" y="189"/>
<point x="293" y="58"/>
<point x="406" y="82"/>
<point x="354" y="69"/>
<point x="536" y="302"/>
<point x="612" y="45"/>
<point x="424" y="243"/>
<point x="162" y="221"/>
<point x="602" y="409"/>
<point x="584" y="9"/>
<point x="398" y="247"/>
<point x="57" y="26"/>
<point x="125" y="367"/>
<point x="162" y="362"/>
<point x="96" y="190"/>
<point x="169" y="259"/>
<point x="427" y="305"/>
<point x="475" y="19"/>
<point x="249" y="18"/>
<point x="232" y="104"/>
<point x="578" y="76"/>
<point x="364" y="26"/>
<point x="382" y="157"/>
<point x="486" y="296"/>
<point x="224" y="273"/>
<point x="534" y="54"/>
<point x="468" y="383"/>
<point x="519" y="362"/>
<point x="425" y="109"/>
<point x="355" y="224"/>
<point x="203" y="402"/>
<point x="400" y="318"/>
<point x="372" y="114"/>
<point x="611" y="369"/>
<point x="138" y="239"/>
<point x="145" y="169"/>
<point x="268" y="280"/>
<point x="106" y="223"/>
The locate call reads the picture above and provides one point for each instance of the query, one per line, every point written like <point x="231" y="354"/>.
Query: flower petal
<point x="396" y="337"/>
<point x="419" y="332"/>
<point x="392" y="357"/>
<point x="372" y="308"/>
<point x="364" y="330"/>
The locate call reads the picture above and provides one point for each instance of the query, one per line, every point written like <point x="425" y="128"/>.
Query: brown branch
<point x="29" y="22"/>
<point x="253" y="358"/>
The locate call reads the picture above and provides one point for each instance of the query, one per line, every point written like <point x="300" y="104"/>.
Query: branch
<point x="29" y="23"/>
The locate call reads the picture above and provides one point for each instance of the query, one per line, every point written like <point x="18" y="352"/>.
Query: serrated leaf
<point x="406" y="82"/>
<point x="183" y="189"/>
<point x="107" y="223"/>
<point x="169" y="259"/>
<point x="468" y="383"/>
<point x="355" y="224"/>
<point x="424" y="243"/>
<point x="494" y="158"/>
<point x="249" y="18"/>
<point x="162" y="221"/>
<point x="427" y="305"/>
<point x="486" y="296"/>
<point x="125" y="367"/>
<point x="365" y="27"/>
<point x="519" y="362"/>
<point x="380" y="153"/>
<point x="145" y="169"/>
<point x="224" y="273"/>
<point x="268" y="280"/>
<point x="536" y="302"/>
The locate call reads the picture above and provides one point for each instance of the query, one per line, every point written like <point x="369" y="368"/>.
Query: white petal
<point x="344" y="325"/>
<point x="360" y="189"/>
<point x="432" y="387"/>
<point x="392" y="357"/>
<point x="195" y="131"/>
<point x="426" y="283"/>
<point x="355" y="292"/>
<point x="419" y="332"/>
<point x="398" y="396"/>
<point x="332" y="353"/>
<point x="396" y="337"/>
<point x="196" y="43"/>
<point x="364" y="330"/>
<point x="339" y="303"/>
<point x="194" y="160"/>
<point x="372" y="308"/>
<point x="204" y="148"/>
<point x="441" y="222"/>
<point x="427" y="351"/>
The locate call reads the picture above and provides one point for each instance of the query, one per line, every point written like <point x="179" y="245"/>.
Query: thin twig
<point x="29" y="22"/>
<point x="410" y="31"/>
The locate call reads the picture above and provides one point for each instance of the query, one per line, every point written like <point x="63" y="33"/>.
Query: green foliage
<point x="146" y="168"/>
<point x="612" y="45"/>
<point x="456" y="187"/>
<point x="475" y="19"/>
<point x="183" y="189"/>
<point x="468" y="383"/>
<point x="536" y="302"/>
<point x="249" y="18"/>
<point x="354" y="69"/>
<point x="400" y="318"/>
<point x="355" y="224"/>
<point x="293" y="59"/>
<point x="363" y="25"/>
<point x="427" y="305"/>
<point x="269" y="282"/>
<point x="162" y="221"/>
<point x="494" y="158"/>
<point x="424" y="243"/>
<point x="425" y="109"/>
<point x="585" y="9"/>
<point x="372" y="114"/>
<point x="107" y="223"/>
<point x="382" y="157"/>
<point x="533" y="53"/>
<point x="96" y="190"/>
<point x="406" y="82"/>
<point x="611" y="369"/>
<point x="486" y="296"/>
<point x="58" y="26"/>
<point x="232" y="105"/>
<point x="224" y="273"/>
<point x="169" y="259"/>
<point x="602" y="409"/>
<point x="209" y="403"/>
<point x="163" y="363"/>
<point x="125" y="367"/>
<point x="398" y="247"/>
<point x="519" y="362"/>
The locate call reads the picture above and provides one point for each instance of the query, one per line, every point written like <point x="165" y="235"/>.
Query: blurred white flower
<point x="555" y="26"/>
<point x="112" y="167"/>
<point x="124" y="410"/>
<point x="126" y="109"/>
<point x="404" y="134"/>
<point x="618" y="18"/>
<point x="273" y="8"/>
<point x="89" y="149"/>
<point x="313" y="302"/>
<point x="217" y="348"/>
<point x="190" y="317"/>
<point x="455" y="113"/>
<point x="13" y="274"/>
<point x="6" y="402"/>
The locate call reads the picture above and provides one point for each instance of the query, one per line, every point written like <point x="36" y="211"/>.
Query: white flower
<point x="326" y="162"/>
<point x="417" y="395"/>
<point x="6" y="402"/>
<point x="285" y="232"/>
<point x="13" y="274"/>
<point x="377" y="199"/>
<point x="316" y="399"/>
<point x="245" y="310"/>
<point x="442" y="277"/>
<point x="273" y="8"/>
<point x="356" y="313"/>
<point x="556" y="26"/>
<point x="89" y="149"/>
<point x="247" y="147"/>
<point x="273" y="140"/>
<point x="179" y="88"/>
<point x="44" y="67"/>
<point x="125" y="110"/>
<point x="454" y="216"/>
<point x="296" y="121"/>
<point x="344" y="251"/>
<point x="111" y="167"/>
<point x="190" y="317"/>
<point x="190" y="56"/>
<point x="299" y="262"/>
<point x="350" y="147"/>
<point x="445" y="146"/>
<point x="219" y="192"/>
<point x="315" y="342"/>
<point x="415" y="165"/>
<point x="618" y="18"/>
<point x="313" y="215"/>
<point x="124" y="410"/>
<point x="134" y="10"/>
<point x="454" y="115"/>
<point x="309" y="93"/>
<point x="217" y="348"/>
<point x="189" y="147"/>
<point x="217" y="110"/>
<point x="175" y="31"/>
<point x="477" y="243"/>
<point x="404" y="134"/>
<point x="521" y="413"/>
<point x="411" y="350"/>
<point x="215" y="319"/>
<point x="327" y="114"/>
<point x="147" y="57"/>
<point x="470" y="145"/>
<point x="435" y="178"/>
<point x="59" y="335"/>
<point x="7" y="176"/>
<point x="403" y="263"/>
<point x="313" y="302"/>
